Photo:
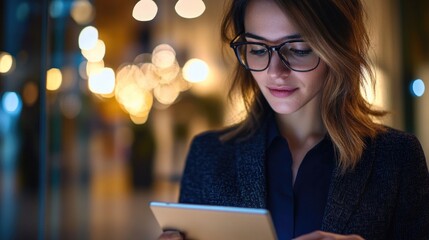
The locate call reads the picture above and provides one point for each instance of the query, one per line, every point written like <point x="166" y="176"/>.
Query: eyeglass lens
<point x="296" y="55"/>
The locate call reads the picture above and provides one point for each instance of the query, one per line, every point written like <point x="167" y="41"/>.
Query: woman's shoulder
<point x="214" y="136"/>
<point x="211" y="140"/>
<point x="395" y="138"/>
<point x="397" y="146"/>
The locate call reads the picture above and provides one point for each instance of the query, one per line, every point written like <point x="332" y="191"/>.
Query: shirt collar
<point x="272" y="130"/>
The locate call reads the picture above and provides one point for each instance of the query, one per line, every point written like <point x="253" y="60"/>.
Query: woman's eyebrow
<point x="288" y="37"/>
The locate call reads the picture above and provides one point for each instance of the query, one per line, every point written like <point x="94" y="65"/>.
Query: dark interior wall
<point x="415" y="50"/>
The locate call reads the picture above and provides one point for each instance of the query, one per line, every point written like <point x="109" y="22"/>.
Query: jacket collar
<point x="345" y="193"/>
<point x="250" y="155"/>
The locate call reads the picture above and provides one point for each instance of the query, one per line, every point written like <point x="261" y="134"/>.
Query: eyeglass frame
<point x="234" y="45"/>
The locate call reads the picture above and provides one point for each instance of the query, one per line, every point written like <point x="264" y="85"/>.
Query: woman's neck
<point x="303" y="130"/>
<point x="304" y="127"/>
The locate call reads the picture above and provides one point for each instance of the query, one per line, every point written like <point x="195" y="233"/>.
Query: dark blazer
<point x="385" y="197"/>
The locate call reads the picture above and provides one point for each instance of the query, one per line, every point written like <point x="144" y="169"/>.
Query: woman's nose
<point x="277" y="68"/>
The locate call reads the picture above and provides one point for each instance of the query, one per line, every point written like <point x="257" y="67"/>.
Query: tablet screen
<point x="205" y="222"/>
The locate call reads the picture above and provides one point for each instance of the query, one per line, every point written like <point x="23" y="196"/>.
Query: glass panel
<point x="22" y="58"/>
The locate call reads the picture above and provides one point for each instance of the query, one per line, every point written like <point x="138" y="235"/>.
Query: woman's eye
<point x="298" y="49"/>
<point x="258" y="52"/>
<point x="302" y="53"/>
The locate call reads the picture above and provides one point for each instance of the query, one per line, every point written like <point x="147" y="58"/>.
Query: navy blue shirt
<point x="298" y="208"/>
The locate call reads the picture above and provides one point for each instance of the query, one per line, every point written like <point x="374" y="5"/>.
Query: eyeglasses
<point x="297" y="55"/>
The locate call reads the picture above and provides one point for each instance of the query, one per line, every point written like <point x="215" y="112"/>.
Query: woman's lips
<point x="282" y="92"/>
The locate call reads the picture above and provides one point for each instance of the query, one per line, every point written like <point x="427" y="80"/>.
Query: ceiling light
<point x="145" y="10"/>
<point x="190" y="8"/>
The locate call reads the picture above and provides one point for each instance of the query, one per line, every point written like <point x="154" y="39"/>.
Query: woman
<point x="309" y="150"/>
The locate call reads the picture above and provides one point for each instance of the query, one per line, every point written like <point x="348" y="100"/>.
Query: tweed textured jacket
<point x="386" y="196"/>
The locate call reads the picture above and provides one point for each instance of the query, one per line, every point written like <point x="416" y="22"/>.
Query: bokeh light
<point x="88" y="38"/>
<point x="22" y="11"/>
<point x="138" y="120"/>
<point x="145" y="10"/>
<point x="54" y="79"/>
<point x="93" y="67"/>
<point x="190" y="8"/>
<point x="56" y="9"/>
<point x="150" y="77"/>
<point x="11" y="103"/>
<point x="168" y="74"/>
<point x="82" y="70"/>
<point x="128" y="75"/>
<point x="70" y="106"/>
<point x="95" y="54"/>
<point x="163" y="56"/>
<point x="102" y="81"/>
<point x="195" y="70"/>
<point x="7" y="63"/>
<point x="82" y="12"/>
<point x="135" y="101"/>
<point x="30" y="93"/>
<point x="418" y="88"/>
<point x="166" y="93"/>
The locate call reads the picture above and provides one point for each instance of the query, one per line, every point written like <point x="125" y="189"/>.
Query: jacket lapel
<point x="345" y="193"/>
<point x="250" y="155"/>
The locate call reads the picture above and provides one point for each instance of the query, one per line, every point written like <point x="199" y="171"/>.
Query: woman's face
<point x="286" y="91"/>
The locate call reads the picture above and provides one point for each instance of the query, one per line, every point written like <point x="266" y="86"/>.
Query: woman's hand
<point x="171" y="235"/>
<point x="320" y="235"/>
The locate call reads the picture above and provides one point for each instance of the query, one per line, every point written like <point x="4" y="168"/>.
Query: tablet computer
<point x="205" y="222"/>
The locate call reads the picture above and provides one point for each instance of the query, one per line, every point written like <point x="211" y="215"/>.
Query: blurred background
<point x="99" y="100"/>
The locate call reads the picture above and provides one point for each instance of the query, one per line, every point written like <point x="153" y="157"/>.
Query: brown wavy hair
<point x="336" y="31"/>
